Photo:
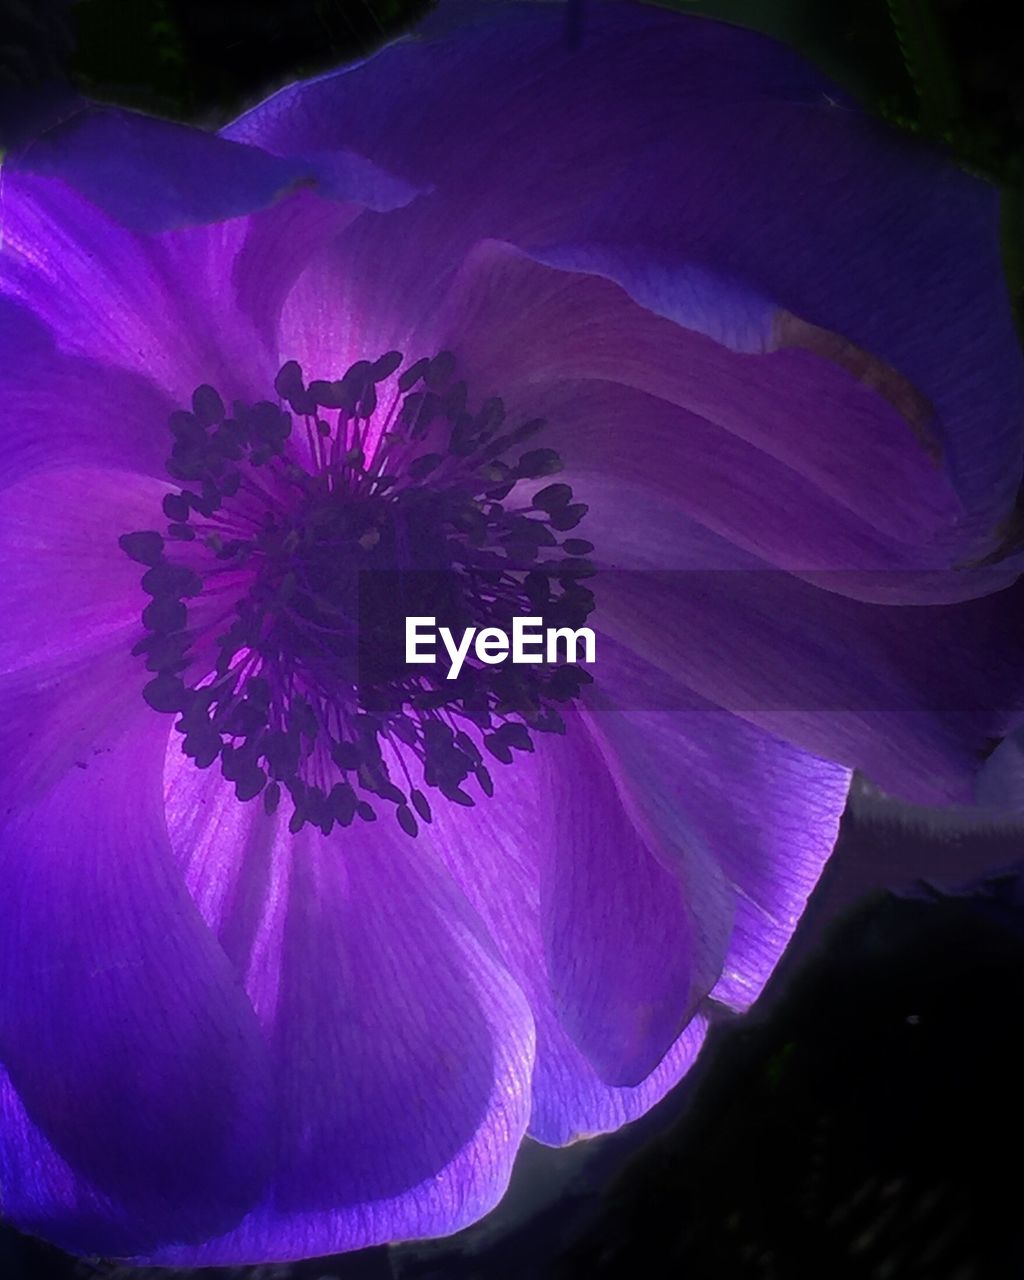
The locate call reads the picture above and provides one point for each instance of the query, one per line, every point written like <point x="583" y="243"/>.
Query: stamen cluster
<point x="303" y="532"/>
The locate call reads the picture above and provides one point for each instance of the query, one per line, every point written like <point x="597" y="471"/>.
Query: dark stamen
<point x="301" y="536"/>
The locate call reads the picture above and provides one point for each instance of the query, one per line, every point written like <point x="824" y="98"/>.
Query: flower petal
<point x="921" y="239"/>
<point x="64" y="410"/>
<point x="899" y="693"/>
<point x="153" y="174"/>
<point x="129" y="1048"/>
<point x="69" y="589"/>
<point x="512" y="120"/>
<point x="184" y="307"/>
<point x="615" y="944"/>
<point x="402" y="1049"/>
<point x="74" y="602"/>
<point x="798" y="456"/>
<point x="769" y="811"/>
<point x="663" y="144"/>
<point x="133" y="1051"/>
<point x="109" y="294"/>
<point x="632" y="944"/>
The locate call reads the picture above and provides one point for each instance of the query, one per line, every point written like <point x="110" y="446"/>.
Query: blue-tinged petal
<point x="662" y="146"/>
<point x="858" y="231"/>
<point x="155" y="175"/>
<point x="41" y="1189"/>
<point x="1001" y="781"/>
<point x="402" y="1048"/>
<point x="492" y="105"/>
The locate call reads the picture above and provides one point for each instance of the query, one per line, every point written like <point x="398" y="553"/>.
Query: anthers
<point x="300" y="534"/>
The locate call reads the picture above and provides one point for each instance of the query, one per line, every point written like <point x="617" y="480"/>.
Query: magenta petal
<point x="402" y="1049"/>
<point x="129" y="1043"/>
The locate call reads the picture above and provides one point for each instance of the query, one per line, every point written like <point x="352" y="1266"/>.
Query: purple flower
<point x="279" y="974"/>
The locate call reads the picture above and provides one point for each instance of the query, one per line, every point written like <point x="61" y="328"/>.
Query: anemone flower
<point x="651" y="330"/>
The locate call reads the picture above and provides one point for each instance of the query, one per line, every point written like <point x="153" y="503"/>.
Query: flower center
<point x="296" y="547"/>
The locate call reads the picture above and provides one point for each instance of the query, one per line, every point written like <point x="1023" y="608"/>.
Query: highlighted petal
<point x="769" y="811"/>
<point x="402" y="1049"/>
<point x="189" y="306"/>
<point x="604" y="935"/>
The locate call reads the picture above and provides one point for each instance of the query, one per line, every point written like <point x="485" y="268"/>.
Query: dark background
<point x="865" y="1121"/>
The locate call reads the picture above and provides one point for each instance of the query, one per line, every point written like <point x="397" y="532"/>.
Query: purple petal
<point x="134" y="1054"/>
<point x="1001" y="780"/>
<point x="633" y="932"/>
<point x="899" y="693"/>
<point x="614" y="942"/>
<point x="784" y="453"/>
<point x="343" y="308"/>
<point x="279" y="244"/>
<point x="520" y="127"/>
<point x="905" y="267"/>
<point x="401" y="1047"/>
<point x="664" y="145"/>
<point x="182" y="308"/>
<point x="127" y="300"/>
<point x="74" y="603"/>
<point x="69" y="589"/>
<point x="61" y="410"/>
<point x="129" y="1048"/>
<point x="768" y="811"/>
